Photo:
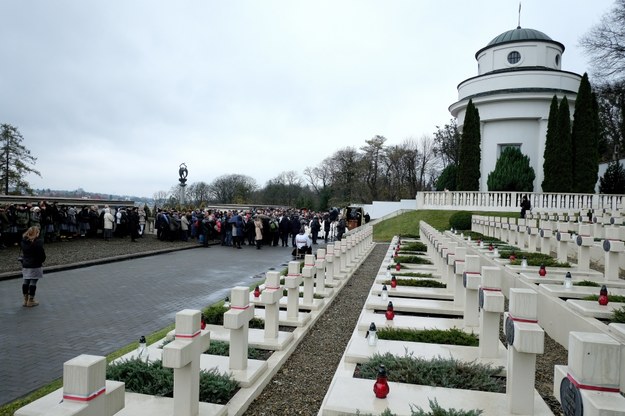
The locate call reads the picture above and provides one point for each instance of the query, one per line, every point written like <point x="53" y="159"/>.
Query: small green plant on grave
<point x="414" y="246"/>
<point x="437" y="410"/>
<point x="618" y="316"/>
<point x="437" y="372"/>
<point x="301" y="294"/>
<point x="418" y="283"/>
<point x="611" y="298"/>
<point x="153" y="379"/>
<point x="588" y="283"/>
<point x="412" y="274"/>
<point x="412" y="260"/>
<point x="222" y="348"/>
<point x="257" y="323"/>
<point x="485" y="238"/>
<point x="453" y="336"/>
<point x="533" y="259"/>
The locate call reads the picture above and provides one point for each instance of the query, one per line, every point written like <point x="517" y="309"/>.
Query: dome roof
<point x="520" y="35"/>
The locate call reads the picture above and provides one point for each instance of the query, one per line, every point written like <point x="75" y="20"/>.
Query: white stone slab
<point x="610" y="403"/>
<point x="409" y="322"/>
<point x="256" y="338"/>
<point x="413" y="292"/>
<point x="359" y="351"/>
<point x="141" y="404"/>
<point x="593" y="309"/>
<point x="245" y="378"/>
<point x="576" y="292"/>
<point x="439" y="307"/>
<point x="532" y="271"/>
<point x="350" y="396"/>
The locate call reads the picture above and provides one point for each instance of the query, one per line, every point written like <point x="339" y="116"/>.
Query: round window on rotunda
<point x="514" y="57"/>
<point x="558" y="60"/>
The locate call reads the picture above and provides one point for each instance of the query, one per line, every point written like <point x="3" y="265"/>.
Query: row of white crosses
<point x="484" y="304"/>
<point x="526" y="234"/>
<point x="87" y="393"/>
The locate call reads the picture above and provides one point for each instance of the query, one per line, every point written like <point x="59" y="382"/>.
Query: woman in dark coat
<point x="33" y="257"/>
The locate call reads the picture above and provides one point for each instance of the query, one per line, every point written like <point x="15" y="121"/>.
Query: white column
<point x="237" y="320"/>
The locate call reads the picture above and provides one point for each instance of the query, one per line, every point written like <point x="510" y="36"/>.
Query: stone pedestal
<point x="525" y="339"/>
<point x="330" y="263"/>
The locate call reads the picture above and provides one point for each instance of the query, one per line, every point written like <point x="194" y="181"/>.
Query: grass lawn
<point x="408" y="223"/>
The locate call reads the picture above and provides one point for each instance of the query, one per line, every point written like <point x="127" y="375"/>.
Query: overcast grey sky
<point x="112" y="96"/>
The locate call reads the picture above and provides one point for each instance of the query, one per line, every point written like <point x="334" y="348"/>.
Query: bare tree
<point x="346" y="175"/>
<point x="427" y="162"/>
<point x="232" y="189"/>
<point x="198" y="193"/>
<point x="160" y="197"/>
<point x="605" y="44"/>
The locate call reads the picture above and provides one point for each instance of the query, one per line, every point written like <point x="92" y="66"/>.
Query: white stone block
<point x="528" y="337"/>
<point x="493" y="301"/>
<point x="472" y="280"/>
<point x="239" y="297"/>
<point x="523" y="303"/>
<point x="491" y="277"/>
<point x="612" y="233"/>
<point x="594" y="359"/>
<point x="472" y="264"/>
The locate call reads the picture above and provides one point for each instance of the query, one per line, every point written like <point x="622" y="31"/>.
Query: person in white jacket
<point x="109" y="220"/>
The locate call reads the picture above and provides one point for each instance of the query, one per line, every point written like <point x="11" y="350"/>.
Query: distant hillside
<point x="80" y="193"/>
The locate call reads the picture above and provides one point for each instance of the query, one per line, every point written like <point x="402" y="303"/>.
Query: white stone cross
<point x="86" y="392"/>
<point x="344" y="258"/>
<point x="564" y="237"/>
<point x="584" y="242"/>
<point x="492" y="305"/>
<point x="525" y="339"/>
<point x="591" y="379"/>
<point x="183" y="355"/>
<point x="270" y="297"/>
<point x="613" y="247"/>
<point x="455" y="285"/>
<point x="320" y="264"/>
<point x="330" y="262"/>
<point x="237" y="320"/>
<point x="292" y="281"/>
<point x="472" y="280"/>
<point x="309" y="271"/>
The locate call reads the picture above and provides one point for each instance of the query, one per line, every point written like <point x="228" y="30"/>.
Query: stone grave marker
<point x="237" y="320"/>
<point x="183" y="355"/>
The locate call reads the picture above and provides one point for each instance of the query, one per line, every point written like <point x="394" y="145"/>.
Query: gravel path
<point x="299" y="387"/>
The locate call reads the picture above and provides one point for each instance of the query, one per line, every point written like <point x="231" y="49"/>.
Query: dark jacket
<point x="33" y="254"/>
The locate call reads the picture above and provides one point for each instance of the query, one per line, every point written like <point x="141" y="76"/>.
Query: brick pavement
<point x="99" y="309"/>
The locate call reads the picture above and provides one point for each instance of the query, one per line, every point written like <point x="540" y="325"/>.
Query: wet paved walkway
<point x="99" y="309"/>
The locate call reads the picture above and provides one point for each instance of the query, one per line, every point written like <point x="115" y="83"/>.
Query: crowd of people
<point x="233" y="228"/>
<point x="254" y="227"/>
<point x="63" y="222"/>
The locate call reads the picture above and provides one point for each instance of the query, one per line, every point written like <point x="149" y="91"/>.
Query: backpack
<point x="273" y="225"/>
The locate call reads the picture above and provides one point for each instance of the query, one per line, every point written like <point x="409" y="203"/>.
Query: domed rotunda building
<point x="519" y="72"/>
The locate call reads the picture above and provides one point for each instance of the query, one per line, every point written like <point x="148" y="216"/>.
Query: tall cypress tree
<point x="551" y="152"/>
<point x="585" y="140"/>
<point x="562" y="170"/>
<point x="469" y="161"/>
